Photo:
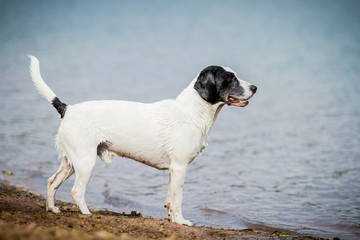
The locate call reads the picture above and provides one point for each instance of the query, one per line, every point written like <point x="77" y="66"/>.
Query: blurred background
<point x="289" y="160"/>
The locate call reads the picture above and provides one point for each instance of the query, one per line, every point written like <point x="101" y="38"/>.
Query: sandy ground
<point x="23" y="216"/>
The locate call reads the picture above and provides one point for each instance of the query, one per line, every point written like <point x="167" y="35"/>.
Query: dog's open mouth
<point x="237" y="102"/>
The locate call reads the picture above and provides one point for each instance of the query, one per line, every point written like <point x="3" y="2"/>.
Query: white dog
<point x="167" y="134"/>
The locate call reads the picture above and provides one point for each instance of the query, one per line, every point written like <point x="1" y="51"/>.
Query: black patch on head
<point x="59" y="106"/>
<point x="215" y="84"/>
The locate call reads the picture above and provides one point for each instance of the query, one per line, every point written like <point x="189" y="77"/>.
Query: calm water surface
<point x="289" y="160"/>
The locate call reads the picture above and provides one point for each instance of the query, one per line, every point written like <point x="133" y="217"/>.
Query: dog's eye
<point x="232" y="79"/>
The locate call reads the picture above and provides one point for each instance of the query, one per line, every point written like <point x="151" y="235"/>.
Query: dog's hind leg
<point x="54" y="182"/>
<point x="83" y="170"/>
<point x="168" y="196"/>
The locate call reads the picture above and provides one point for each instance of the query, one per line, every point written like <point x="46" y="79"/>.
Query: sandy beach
<point x="23" y="216"/>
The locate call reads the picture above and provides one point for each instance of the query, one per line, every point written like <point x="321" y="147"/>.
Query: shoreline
<point x="23" y="216"/>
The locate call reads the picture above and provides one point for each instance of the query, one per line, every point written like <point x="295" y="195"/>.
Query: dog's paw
<point x="184" y="222"/>
<point x="86" y="212"/>
<point x="53" y="209"/>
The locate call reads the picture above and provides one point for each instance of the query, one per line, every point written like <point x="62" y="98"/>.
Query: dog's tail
<point x="44" y="89"/>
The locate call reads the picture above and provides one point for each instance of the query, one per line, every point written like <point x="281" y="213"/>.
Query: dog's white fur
<point x="167" y="134"/>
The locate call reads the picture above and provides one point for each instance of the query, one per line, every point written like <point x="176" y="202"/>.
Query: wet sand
<point x="23" y="216"/>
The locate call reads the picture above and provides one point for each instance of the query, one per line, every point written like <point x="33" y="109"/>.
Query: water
<point x="289" y="160"/>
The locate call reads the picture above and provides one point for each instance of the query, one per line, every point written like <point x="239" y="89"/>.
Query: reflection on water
<point x="290" y="159"/>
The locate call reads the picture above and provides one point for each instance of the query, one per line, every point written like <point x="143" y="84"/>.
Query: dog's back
<point x="116" y="128"/>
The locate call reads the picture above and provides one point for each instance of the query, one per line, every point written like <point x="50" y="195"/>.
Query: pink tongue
<point x="237" y="102"/>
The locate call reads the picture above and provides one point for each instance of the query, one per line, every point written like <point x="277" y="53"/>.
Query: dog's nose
<point x="253" y="88"/>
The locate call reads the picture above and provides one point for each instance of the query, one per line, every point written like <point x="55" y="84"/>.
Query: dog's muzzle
<point x="241" y="102"/>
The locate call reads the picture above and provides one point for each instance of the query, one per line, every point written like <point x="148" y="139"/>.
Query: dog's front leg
<point x="174" y="197"/>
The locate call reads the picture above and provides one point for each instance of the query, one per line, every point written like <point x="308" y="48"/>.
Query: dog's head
<point x="220" y="84"/>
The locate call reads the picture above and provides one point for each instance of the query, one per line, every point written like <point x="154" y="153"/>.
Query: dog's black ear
<point x="205" y="85"/>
